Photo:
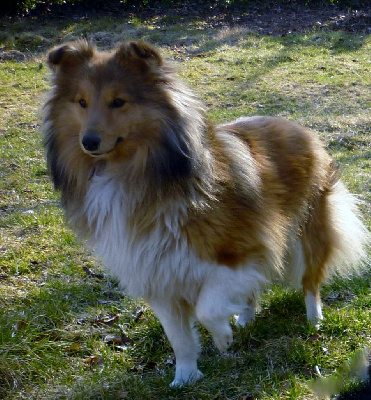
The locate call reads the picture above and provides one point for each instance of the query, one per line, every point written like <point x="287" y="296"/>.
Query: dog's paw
<point x="182" y="379"/>
<point x="222" y="342"/>
<point x="248" y="315"/>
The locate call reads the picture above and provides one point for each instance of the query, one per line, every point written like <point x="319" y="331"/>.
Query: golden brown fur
<point x="145" y="176"/>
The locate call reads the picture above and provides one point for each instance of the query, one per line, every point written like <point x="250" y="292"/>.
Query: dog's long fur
<point x="194" y="218"/>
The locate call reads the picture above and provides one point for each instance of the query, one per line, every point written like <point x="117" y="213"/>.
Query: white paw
<point x="222" y="342"/>
<point x="245" y="317"/>
<point x="314" y="309"/>
<point x="184" y="377"/>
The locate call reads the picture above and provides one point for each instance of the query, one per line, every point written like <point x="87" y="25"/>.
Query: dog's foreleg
<point x="213" y="312"/>
<point x="224" y="294"/>
<point x="247" y="315"/>
<point x="178" y="323"/>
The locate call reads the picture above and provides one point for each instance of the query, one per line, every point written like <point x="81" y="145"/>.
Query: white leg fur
<point x="224" y="294"/>
<point x="178" y="322"/>
<point x="314" y="308"/>
<point x="247" y="315"/>
<point x="214" y="316"/>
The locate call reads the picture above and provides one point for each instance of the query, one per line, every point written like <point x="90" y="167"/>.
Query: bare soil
<point x="267" y="17"/>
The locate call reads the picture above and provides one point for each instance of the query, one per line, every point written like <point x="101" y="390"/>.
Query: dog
<point x="195" y="218"/>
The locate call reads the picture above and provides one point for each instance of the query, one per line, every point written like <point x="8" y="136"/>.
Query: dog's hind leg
<point x="334" y="240"/>
<point x="178" y="322"/>
<point x="317" y="245"/>
<point x="313" y="305"/>
<point x="306" y="270"/>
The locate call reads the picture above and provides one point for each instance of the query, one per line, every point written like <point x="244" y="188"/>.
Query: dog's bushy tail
<point x="350" y="237"/>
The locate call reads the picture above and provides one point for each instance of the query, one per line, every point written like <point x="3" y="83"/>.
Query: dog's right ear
<point x="69" y="55"/>
<point x="140" y="56"/>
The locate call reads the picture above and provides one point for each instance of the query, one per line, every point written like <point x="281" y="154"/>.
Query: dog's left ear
<point x="139" y="55"/>
<point x="68" y="56"/>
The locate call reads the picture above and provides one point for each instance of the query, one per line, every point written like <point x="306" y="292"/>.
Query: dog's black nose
<point x="91" y="141"/>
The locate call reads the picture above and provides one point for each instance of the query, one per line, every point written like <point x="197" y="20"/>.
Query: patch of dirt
<point x="273" y="19"/>
<point x="12" y="55"/>
<point x="285" y="21"/>
<point x="265" y="17"/>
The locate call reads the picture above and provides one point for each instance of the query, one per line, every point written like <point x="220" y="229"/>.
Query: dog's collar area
<point x="98" y="168"/>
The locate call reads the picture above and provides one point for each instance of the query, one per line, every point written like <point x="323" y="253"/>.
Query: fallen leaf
<point x="21" y="324"/>
<point x="106" y="320"/>
<point x="74" y="348"/>
<point x="117" y="342"/>
<point x="92" y="274"/>
<point x="111" y="339"/>
<point x="315" y="337"/>
<point x="121" y="395"/>
<point x="93" y="360"/>
<point x="138" y="316"/>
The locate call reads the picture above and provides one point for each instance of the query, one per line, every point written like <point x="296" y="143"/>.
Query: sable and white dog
<point x="197" y="219"/>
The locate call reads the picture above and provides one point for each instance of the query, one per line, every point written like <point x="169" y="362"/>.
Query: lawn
<point x="66" y="329"/>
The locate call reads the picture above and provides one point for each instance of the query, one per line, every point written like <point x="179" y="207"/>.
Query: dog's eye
<point x="83" y="103"/>
<point x="117" y="103"/>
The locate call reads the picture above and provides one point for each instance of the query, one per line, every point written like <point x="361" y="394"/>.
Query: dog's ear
<point x="139" y="55"/>
<point x="69" y="55"/>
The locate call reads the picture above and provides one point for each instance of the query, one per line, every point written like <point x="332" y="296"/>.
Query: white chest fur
<point x="158" y="262"/>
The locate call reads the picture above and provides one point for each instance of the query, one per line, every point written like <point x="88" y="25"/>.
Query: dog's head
<point x="107" y="99"/>
<point x="122" y="105"/>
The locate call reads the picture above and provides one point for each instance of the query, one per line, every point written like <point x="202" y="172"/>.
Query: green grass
<point x="54" y="316"/>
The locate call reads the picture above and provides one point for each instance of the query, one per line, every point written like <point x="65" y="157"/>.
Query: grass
<point x="55" y="316"/>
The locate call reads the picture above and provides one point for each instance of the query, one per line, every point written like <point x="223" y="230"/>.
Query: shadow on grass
<point x="287" y="21"/>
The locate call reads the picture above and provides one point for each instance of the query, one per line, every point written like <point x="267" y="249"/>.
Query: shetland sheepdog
<point x="193" y="217"/>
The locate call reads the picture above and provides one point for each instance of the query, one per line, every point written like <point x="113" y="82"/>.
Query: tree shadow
<point x="266" y="18"/>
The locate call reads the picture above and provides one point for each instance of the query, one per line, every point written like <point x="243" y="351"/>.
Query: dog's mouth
<point x="91" y="145"/>
<point x="98" y="154"/>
